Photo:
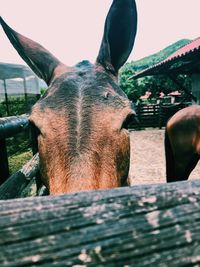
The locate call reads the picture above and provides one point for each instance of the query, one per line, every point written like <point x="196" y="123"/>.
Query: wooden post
<point x="155" y="122"/>
<point x="9" y="126"/>
<point x="6" y="98"/>
<point x="139" y="114"/>
<point x="25" y="94"/>
<point x="38" y="94"/>
<point x="160" y="115"/>
<point x="180" y="85"/>
<point x="4" y="167"/>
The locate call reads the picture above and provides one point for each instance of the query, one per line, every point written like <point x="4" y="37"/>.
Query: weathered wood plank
<point x="154" y="225"/>
<point x="16" y="183"/>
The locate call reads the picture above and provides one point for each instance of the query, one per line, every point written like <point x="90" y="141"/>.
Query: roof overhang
<point x="181" y="62"/>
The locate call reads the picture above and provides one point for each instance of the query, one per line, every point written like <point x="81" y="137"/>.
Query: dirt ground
<point x="148" y="158"/>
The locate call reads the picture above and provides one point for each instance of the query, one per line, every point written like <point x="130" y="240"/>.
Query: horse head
<point x="80" y="124"/>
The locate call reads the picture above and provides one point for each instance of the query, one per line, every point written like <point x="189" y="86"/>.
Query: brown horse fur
<point x="80" y="124"/>
<point x="182" y="143"/>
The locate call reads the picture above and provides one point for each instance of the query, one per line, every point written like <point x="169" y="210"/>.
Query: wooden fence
<point x="154" y="225"/>
<point x="150" y="225"/>
<point x="155" y="115"/>
<point x="9" y="126"/>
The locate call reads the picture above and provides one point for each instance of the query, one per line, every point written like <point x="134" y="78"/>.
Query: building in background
<point x="186" y="60"/>
<point x="17" y="83"/>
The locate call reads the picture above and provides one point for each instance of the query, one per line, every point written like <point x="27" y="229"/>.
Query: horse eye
<point x="35" y="132"/>
<point x="34" y="129"/>
<point x="129" y="119"/>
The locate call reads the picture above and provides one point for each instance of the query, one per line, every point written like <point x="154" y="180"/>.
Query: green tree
<point x="130" y="87"/>
<point x="136" y="88"/>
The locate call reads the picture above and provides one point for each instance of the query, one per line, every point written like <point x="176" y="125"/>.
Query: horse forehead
<point x="89" y="78"/>
<point x="86" y="82"/>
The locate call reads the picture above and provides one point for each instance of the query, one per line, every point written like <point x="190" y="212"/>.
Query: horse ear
<point x="119" y="34"/>
<point x="40" y="60"/>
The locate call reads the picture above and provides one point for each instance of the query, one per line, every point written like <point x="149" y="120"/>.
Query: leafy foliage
<point x="43" y="90"/>
<point x="18" y="146"/>
<point x="130" y="87"/>
<point x="17" y="105"/>
<point x="136" y="88"/>
<point x="159" y="56"/>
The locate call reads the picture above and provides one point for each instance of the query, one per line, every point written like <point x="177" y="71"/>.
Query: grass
<point x="18" y="160"/>
<point x="15" y="163"/>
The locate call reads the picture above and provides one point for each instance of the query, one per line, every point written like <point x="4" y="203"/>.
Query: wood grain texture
<point x="16" y="183"/>
<point x="156" y="225"/>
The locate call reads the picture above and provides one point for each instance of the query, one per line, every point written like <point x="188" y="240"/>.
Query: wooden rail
<point x="9" y="126"/>
<point x="148" y="115"/>
<point x="154" y="225"/>
<point x="13" y="187"/>
<point x="155" y="115"/>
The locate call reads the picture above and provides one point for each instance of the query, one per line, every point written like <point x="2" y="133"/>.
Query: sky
<point x="72" y="29"/>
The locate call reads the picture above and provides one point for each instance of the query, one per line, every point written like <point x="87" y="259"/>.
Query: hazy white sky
<point x="72" y="29"/>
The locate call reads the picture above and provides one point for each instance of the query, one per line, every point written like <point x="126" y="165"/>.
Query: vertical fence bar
<point x="139" y="114"/>
<point x="160" y="116"/>
<point x="6" y="98"/>
<point x="25" y="93"/>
